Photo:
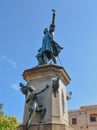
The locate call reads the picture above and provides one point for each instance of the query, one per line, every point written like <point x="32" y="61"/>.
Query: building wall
<point x="84" y="119"/>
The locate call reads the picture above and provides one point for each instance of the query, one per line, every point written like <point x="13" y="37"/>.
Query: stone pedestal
<point x="45" y="127"/>
<point x="56" y="117"/>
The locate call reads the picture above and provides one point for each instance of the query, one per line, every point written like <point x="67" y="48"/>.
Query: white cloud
<point x="15" y="86"/>
<point x="10" y="61"/>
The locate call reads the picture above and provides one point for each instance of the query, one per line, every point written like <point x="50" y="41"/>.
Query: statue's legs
<point x="53" y="58"/>
<point x="45" y="59"/>
<point x="47" y="55"/>
<point x="31" y="115"/>
<point x="32" y="109"/>
<point x="42" y="114"/>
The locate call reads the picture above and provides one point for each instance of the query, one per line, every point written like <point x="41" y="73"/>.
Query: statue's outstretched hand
<point x="47" y="86"/>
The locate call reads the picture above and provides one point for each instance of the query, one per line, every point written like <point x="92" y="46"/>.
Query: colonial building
<point x="84" y="119"/>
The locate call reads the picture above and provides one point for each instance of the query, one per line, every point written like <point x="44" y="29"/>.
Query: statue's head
<point x="45" y="30"/>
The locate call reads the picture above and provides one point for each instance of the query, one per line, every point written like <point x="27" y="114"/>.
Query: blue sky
<point x="21" y="30"/>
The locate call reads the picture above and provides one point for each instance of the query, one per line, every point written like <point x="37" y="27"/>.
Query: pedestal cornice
<point x="44" y="70"/>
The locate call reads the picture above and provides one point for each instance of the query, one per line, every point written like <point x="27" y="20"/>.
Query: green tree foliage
<point x="8" y="122"/>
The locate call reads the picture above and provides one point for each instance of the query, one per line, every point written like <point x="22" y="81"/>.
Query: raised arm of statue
<point x="52" y="26"/>
<point x="47" y="86"/>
